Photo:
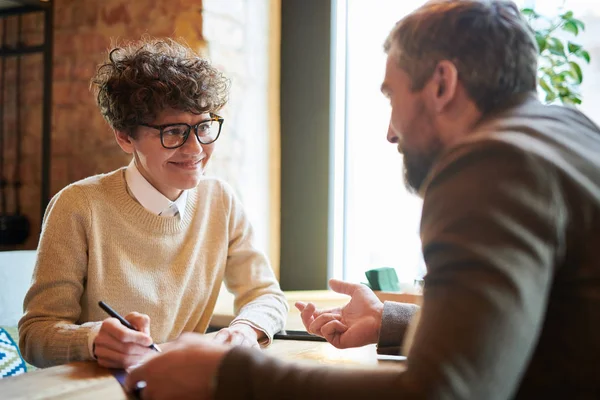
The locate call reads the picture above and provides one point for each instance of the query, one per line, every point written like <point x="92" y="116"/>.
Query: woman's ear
<point x="124" y="140"/>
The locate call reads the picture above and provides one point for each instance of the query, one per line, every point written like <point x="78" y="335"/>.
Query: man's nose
<point x="391" y="136"/>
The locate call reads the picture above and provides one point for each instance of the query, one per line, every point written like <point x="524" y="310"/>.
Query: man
<point x="510" y="228"/>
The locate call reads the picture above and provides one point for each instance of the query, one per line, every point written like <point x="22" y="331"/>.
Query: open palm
<point x="353" y="325"/>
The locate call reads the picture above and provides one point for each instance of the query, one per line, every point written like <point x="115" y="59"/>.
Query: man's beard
<point x="418" y="165"/>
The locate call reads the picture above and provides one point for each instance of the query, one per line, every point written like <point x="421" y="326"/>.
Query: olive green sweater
<point x="511" y="307"/>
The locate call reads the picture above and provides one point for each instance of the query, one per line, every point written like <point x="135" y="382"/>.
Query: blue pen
<point x="123" y="321"/>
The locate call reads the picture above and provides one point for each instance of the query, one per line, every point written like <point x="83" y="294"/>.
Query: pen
<point x="122" y="320"/>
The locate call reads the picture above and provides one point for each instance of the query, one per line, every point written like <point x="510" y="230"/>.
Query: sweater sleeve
<point x="492" y="229"/>
<point x="48" y="331"/>
<point x="394" y="324"/>
<point x="259" y="300"/>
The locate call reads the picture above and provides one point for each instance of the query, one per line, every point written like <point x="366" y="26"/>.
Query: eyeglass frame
<point x="213" y="117"/>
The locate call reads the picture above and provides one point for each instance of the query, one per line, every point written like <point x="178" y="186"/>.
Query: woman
<point x="155" y="238"/>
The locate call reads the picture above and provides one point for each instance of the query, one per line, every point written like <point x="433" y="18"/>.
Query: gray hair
<point x="489" y="42"/>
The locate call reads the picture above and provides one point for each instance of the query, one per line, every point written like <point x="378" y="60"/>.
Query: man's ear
<point x="124" y="140"/>
<point x="444" y="83"/>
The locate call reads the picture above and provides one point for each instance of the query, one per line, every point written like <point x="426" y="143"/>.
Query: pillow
<point x="16" y="270"/>
<point x="11" y="362"/>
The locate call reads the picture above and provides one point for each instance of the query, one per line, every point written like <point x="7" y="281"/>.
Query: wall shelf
<point x="8" y="52"/>
<point x="17" y="7"/>
<point x="10" y="8"/>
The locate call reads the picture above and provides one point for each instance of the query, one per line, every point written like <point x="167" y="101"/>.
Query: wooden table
<point x="87" y="380"/>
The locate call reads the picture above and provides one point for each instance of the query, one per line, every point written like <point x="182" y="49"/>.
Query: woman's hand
<point x="239" y="334"/>
<point x="117" y="346"/>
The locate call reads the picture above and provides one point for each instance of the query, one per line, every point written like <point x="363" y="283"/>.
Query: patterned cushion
<point x="11" y="362"/>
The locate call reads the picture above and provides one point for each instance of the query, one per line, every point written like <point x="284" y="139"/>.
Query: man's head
<point x="146" y="85"/>
<point x="450" y="63"/>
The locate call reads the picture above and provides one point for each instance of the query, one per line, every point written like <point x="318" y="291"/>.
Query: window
<point x="375" y="220"/>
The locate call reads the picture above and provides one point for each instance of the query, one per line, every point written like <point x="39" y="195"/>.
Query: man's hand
<point x="239" y="335"/>
<point x="186" y="370"/>
<point x="119" y="347"/>
<point x="354" y="325"/>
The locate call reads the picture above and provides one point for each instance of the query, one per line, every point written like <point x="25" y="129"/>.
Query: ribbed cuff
<point x="262" y="317"/>
<point x="263" y="342"/>
<point x="93" y="332"/>
<point x="395" y="320"/>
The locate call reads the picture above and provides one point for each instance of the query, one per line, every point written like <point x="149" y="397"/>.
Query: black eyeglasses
<point x="173" y="136"/>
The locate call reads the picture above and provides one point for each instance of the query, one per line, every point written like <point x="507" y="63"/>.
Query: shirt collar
<point x="149" y="197"/>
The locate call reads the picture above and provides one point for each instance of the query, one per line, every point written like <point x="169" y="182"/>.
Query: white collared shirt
<point x="150" y="198"/>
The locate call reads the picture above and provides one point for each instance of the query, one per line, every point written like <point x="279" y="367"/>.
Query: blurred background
<point x="303" y="142"/>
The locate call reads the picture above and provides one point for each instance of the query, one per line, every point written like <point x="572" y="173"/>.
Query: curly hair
<point x="142" y="78"/>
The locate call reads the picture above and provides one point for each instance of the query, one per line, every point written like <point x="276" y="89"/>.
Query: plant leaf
<point x="557" y="80"/>
<point x="577" y="71"/>
<point x="571" y="27"/>
<point x="573" y="47"/>
<point x="583" y="54"/>
<point x="563" y="91"/>
<point x="568" y="100"/>
<point x="579" y="24"/>
<point x="545" y="86"/>
<point x="555" y="46"/>
<point x="529" y="12"/>
<point x="567" y="15"/>
<point x="559" y="69"/>
<point x="569" y="75"/>
<point x="541" y="42"/>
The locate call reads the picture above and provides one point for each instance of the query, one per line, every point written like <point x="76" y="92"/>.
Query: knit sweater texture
<point x="98" y="243"/>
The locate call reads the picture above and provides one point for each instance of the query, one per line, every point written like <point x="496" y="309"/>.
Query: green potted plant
<point x="559" y="71"/>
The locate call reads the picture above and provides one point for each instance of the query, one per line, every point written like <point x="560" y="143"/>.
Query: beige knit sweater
<point x="98" y="243"/>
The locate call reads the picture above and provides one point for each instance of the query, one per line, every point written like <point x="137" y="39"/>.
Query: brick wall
<point x="82" y="143"/>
